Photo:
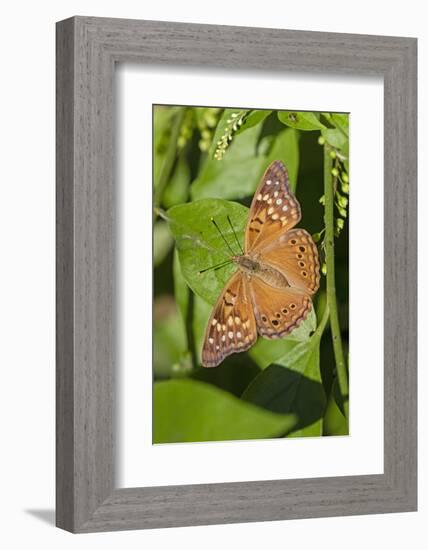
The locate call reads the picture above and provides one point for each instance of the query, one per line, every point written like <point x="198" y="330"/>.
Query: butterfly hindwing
<point x="231" y="327"/>
<point x="274" y="208"/>
<point x="296" y="256"/>
<point x="278" y="311"/>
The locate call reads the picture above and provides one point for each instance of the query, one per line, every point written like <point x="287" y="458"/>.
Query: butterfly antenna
<point x="236" y="237"/>
<point x="222" y="236"/>
<point x="215" y="267"/>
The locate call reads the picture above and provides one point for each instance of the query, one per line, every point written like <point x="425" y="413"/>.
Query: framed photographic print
<point x="236" y="274"/>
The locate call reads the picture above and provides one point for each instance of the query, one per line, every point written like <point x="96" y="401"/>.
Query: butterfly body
<point x="252" y="267"/>
<point x="270" y="293"/>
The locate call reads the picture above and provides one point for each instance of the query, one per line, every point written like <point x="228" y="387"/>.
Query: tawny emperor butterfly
<point x="277" y="274"/>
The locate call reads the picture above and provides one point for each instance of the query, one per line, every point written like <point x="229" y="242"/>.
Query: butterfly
<point x="278" y="273"/>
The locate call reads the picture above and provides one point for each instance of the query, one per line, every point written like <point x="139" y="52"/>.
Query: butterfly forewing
<point x="278" y="311"/>
<point x="295" y="255"/>
<point x="231" y="327"/>
<point x="274" y="209"/>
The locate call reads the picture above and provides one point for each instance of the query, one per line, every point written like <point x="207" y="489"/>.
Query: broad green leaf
<point x="312" y="430"/>
<point x="293" y="385"/>
<point x="200" y="245"/>
<point x="187" y="410"/>
<point x="162" y="241"/>
<point x="334" y="137"/>
<point x="265" y="352"/>
<point x="229" y="180"/>
<point x="236" y="175"/>
<point x="254" y="117"/>
<point x="341" y="121"/>
<point x="286" y="148"/>
<point x="177" y="190"/>
<point x="301" y="120"/>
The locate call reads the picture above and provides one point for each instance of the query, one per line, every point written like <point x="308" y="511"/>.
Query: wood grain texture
<point x="87" y="49"/>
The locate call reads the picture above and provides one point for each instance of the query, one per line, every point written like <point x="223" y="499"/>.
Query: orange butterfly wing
<point x="278" y="311"/>
<point x="295" y="255"/>
<point x="231" y="327"/>
<point x="274" y="209"/>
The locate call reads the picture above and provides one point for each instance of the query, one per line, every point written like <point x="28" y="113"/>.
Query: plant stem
<point x="329" y="184"/>
<point x="168" y="162"/>
<point x="321" y="326"/>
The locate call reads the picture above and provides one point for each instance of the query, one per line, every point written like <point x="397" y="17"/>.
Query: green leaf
<point x="187" y="410"/>
<point x="286" y="148"/>
<point x="341" y="121"/>
<point x="254" y="118"/>
<point x="238" y="173"/>
<point x="200" y="245"/>
<point x="334" y="137"/>
<point x="162" y="241"/>
<point x="177" y="189"/>
<point x="293" y="385"/>
<point x="229" y="180"/>
<point x="301" y="120"/>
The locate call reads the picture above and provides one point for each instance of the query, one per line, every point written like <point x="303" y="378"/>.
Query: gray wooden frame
<point x="87" y="50"/>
